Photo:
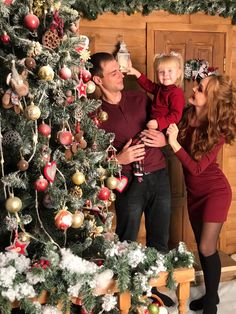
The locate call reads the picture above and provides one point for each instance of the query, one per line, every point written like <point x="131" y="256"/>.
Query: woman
<point x="208" y="123"/>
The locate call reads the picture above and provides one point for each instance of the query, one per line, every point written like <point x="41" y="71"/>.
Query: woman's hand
<point x="172" y="133"/>
<point x="153" y="138"/>
<point x="130" y="154"/>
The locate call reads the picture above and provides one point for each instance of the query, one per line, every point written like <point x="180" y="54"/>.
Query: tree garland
<point x="70" y="276"/>
<point x="91" y="9"/>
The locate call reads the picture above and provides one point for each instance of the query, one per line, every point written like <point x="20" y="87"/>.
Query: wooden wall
<point x="106" y="32"/>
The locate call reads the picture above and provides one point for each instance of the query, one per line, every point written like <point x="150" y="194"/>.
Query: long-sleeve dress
<point x="208" y="191"/>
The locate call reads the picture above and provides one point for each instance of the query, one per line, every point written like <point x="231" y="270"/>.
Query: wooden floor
<point x="228" y="268"/>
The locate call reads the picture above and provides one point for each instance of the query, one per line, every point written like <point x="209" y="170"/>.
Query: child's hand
<point x="152" y="124"/>
<point x="132" y="71"/>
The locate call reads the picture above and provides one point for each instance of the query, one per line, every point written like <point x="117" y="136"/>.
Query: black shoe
<point x="210" y="309"/>
<point x="165" y="299"/>
<point x="197" y="305"/>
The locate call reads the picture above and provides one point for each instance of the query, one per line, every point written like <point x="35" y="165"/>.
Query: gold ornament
<point x="90" y="87"/>
<point x="103" y="116"/>
<point x="76" y="191"/>
<point x="35" y="49"/>
<point x="77" y="219"/>
<point x="85" y="55"/>
<point x="112" y="197"/>
<point x="112" y="182"/>
<point x="102" y="173"/>
<point x="13" y="204"/>
<point x="97" y="231"/>
<point x="24" y="237"/>
<point x="46" y="73"/>
<point x="78" y="178"/>
<point x="32" y="112"/>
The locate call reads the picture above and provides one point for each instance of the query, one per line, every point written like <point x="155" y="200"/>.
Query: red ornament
<point x="65" y="137"/>
<point x="96" y="121"/>
<point x="31" y="22"/>
<point x="70" y="100"/>
<point x="5" y="38"/>
<point x="8" y="2"/>
<point x="77" y="127"/>
<point x="18" y="246"/>
<point x="63" y="219"/>
<point x="41" y="184"/>
<point x="50" y="171"/>
<point x="81" y="88"/>
<point x="104" y="194"/>
<point x="44" y="129"/>
<point x="86" y="75"/>
<point x="65" y="73"/>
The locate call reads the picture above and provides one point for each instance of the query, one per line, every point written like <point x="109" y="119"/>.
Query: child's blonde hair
<point x="160" y="59"/>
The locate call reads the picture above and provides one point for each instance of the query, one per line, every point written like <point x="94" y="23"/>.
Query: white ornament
<point x="162" y="310"/>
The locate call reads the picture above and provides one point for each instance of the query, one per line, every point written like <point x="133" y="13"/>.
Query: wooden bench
<point x="182" y="276"/>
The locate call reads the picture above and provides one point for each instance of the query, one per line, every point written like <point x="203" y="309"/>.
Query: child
<point x="168" y="101"/>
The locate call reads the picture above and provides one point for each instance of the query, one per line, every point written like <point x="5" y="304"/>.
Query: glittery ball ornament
<point x="13" y="204"/>
<point x="63" y="219"/>
<point x="77" y="219"/>
<point x="46" y="73"/>
<point x="32" y="112"/>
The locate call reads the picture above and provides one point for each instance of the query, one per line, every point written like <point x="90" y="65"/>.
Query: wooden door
<point x="192" y="42"/>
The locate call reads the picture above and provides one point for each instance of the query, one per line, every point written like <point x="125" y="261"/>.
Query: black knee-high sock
<point x="211" y="267"/>
<point x="212" y="274"/>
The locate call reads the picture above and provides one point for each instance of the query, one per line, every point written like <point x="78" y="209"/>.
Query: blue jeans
<point x="151" y="197"/>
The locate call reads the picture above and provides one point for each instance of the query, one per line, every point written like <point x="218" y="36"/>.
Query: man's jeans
<point x="151" y="197"/>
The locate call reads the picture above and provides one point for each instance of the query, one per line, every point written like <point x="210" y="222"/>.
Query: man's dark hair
<point x="97" y="59"/>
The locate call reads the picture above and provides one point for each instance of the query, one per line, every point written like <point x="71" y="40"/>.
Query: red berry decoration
<point x="44" y="129"/>
<point x="5" y="38"/>
<point x="104" y="194"/>
<point x="86" y="75"/>
<point x="65" y="137"/>
<point x="65" y="73"/>
<point x="31" y="22"/>
<point x="41" y="184"/>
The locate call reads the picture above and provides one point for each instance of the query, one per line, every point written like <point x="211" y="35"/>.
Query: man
<point x="127" y="116"/>
<point x="128" y="113"/>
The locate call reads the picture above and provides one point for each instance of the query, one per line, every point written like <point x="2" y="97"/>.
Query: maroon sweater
<point x="127" y="119"/>
<point x="168" y="102"/>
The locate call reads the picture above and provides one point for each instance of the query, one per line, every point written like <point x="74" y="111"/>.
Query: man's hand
<point x="153" y="138"/>
<point x="130" y="154"/>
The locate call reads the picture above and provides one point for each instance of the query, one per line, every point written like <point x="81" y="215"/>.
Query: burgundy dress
<point x="208" y="191"/>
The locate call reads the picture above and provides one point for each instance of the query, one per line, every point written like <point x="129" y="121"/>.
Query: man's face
<point x="112" y="79"/>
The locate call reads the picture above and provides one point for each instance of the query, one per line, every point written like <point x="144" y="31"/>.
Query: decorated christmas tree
<point x="58" y="171"/>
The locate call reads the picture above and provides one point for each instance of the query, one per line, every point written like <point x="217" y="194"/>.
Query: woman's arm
<point x="193" y="166"/>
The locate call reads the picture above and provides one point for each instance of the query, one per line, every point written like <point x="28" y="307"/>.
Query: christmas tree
<point x="58" y="170"/>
